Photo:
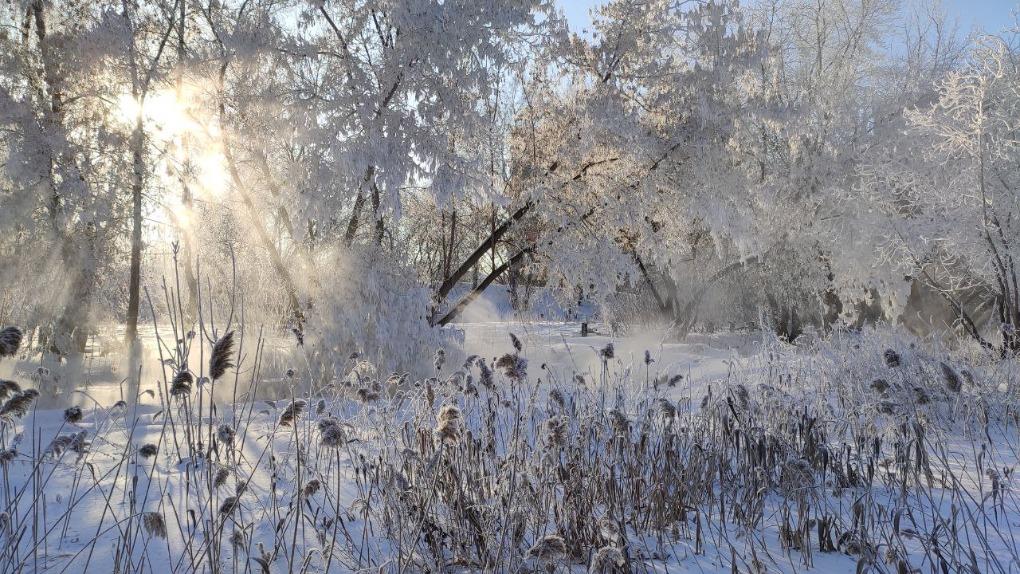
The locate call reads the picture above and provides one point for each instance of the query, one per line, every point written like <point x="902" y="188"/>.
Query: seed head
<point x="181" y="385"/>
<point x="73" y="414"/>
<point x="10" y="341"/>
<point x="220" y="360"/>
<point x="225" y="433"/>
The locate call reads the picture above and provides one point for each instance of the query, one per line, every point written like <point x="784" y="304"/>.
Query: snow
<point x="85" y="511"/>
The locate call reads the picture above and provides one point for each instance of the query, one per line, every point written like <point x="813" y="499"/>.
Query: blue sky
<point x="986" y="15"/>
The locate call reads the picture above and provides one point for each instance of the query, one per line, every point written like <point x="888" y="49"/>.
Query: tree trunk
<point x="135" y="274"/>
<point x="380" y="229"/>
<point x="359" y="204"/>
<point x="474" y="293"/>
<point x="480" y="251"/>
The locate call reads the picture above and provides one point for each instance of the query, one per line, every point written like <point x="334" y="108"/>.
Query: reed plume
<point x="10" y="341"/>
<point x="18" y="405"/>
<point x="154" y="524"/>
<point x="292" y="412"/>
<point x="222" y="353"/>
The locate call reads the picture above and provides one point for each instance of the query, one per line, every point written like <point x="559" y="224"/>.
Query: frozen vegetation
<point x="548" y="452"/>
<point x="401" y="286"/>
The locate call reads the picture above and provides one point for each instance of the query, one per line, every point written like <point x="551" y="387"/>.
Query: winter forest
<point x="455" y="286"/>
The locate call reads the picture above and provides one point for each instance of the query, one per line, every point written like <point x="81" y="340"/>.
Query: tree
<point x="949" y="189"/>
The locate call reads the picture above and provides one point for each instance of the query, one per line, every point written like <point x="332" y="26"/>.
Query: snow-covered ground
<point x="762" y="457"/>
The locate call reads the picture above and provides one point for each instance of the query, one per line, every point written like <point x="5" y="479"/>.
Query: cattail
<point x="320" y="407"/>
<point x="674" y="380"/>
<point x="892" y="358"/>
<point x="79" y="442"/>
<point x="648" y="357"/>
<point x="610" y="531"/>
<point x="549" y="549"/>
<point x="742" y="395"/>
<point x="311" y="487"/>
<point x="10" y="341"/>
<point x="952" y="380"/>
<point x="228" y="506"/>
<point x="468" y="362"/>
<point x="430" y="393"/>
<point x="607" y="352"/>
<point x="608" y="560"/>
<point x="880" y="385"/>
<point x="73" y="414"/>
<point x="579" y="379"/>
<point x="7" y="455"/>
<point x="225" y="433"/>
<point x="221" y="477"/>
<point x="238" y="540"/>
<point x="154" y="525"/>
<point x="327" y="422"/>
<point x="292" y="412"/>
<point x="219" y="362"/>
<point x="440" y="359"/>
<point x="557" y="397"/>
<point x="148" y="450"/>
<point x="448" y="424"/>
<point x="18" y="405"/>
<point x="367" y="395"/>
<point x="181" y="385"/>
<point x="58" y="445"/>
<point x="75" y="442"/>
<point x="516" y="343"/>
<point x="8" y="388"/>
<point x="514" y="366"/>
<point x="921" y="395"/>
<point x="619" y="422"/>
<point x="449" y="413"/>
<point x="332" y="433"/>
<point x="556" y="431"/>
<point x="484" y="373"/>
<point x="666" y="409"/>
<point x="469" y="386"/>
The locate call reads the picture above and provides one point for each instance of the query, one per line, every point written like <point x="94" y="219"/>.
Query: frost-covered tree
<point x="950" y="190"/>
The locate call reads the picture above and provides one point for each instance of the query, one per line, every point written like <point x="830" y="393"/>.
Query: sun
<point x="192" y="147"/>
<point x="164" y="112"/>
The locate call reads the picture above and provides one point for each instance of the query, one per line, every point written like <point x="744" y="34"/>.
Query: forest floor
<point x="725" y="453"/>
